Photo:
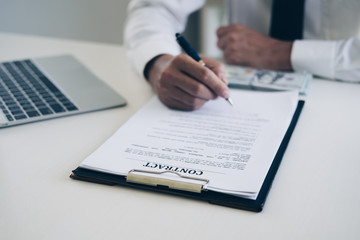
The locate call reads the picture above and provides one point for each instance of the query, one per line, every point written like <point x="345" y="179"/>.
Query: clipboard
<point x="194" y="191"/>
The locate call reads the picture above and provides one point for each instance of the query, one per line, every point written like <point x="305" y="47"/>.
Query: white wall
<point x="97" y="20"/>
<point x="92" y="20"/>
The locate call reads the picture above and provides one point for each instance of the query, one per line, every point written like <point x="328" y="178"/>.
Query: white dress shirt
<point x="330" y="49"/>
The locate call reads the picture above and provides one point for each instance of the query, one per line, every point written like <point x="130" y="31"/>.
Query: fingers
<point x="240" y="45"/>
<point x="177" y="99"/>
<point x="229" y="34"/>
<point x="173" y="79"/>
<point x="247" y="47"/>
<point x="185" y="84"/>
<point x="217" y="67"/>
<point x="221" y="31"/>
<point x="202" y="75"/>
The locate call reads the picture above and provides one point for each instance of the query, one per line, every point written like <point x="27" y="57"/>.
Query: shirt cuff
<point x="142" y="54"/>
<point x="314" y="56"/>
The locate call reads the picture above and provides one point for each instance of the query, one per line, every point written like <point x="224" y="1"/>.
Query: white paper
<point x="231" y="146"/>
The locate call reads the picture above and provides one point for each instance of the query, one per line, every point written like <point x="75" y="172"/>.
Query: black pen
<point x="185" y="45"/>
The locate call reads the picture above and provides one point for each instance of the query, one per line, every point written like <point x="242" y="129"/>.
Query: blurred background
<point x="98" y="21"/>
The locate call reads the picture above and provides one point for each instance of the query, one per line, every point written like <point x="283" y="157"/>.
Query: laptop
<point x="38" y="89"/>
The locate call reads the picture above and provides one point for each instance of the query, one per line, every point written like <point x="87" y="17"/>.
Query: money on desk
<point x="257" y="79"/>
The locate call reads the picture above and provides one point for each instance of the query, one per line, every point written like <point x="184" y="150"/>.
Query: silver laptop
<point x="45" y="88"/>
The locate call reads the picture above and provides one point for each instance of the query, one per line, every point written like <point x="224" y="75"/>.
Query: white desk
<point x="315" y="194"/>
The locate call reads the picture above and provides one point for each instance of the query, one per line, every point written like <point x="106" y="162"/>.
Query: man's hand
<point x="247" y="47"/>
<point x="182" y="83"/>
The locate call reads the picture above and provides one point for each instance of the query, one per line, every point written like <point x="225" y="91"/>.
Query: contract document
<point x="232" y="147"/>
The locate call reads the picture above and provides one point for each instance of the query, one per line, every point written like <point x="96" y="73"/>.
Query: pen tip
<point x="229" y="101"/>
<point x="177" y="35"/>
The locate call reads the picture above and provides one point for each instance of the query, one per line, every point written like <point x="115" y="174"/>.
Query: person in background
<point x="319" y="36"/>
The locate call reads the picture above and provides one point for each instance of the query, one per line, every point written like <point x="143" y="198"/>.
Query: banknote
<point x="245" y="77"/>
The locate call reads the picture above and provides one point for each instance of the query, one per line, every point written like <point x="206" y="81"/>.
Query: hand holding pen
<point x="182" y="83"/>
<point x="192" y="53"/>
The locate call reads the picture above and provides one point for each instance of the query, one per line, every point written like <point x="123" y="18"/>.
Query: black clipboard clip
<point x="134" y="177"/>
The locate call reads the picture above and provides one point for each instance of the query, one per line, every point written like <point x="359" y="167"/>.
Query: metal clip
<point x="173" y="184"/>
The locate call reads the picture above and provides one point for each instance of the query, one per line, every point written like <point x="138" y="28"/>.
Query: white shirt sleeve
<point x="151" y="26"/>
<point x="338" y="60"/>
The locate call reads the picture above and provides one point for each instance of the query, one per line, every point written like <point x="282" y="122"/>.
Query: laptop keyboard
<point x="25" y="92"/>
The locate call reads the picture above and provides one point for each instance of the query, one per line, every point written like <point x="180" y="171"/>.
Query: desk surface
<point x="315" y="194"/>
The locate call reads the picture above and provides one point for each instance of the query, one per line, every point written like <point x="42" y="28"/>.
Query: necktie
<point x="287" y="19"/>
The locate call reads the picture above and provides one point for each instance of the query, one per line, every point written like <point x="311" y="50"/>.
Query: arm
<point x="330" y="59"/>
<point x="151" y="26"/>
<point x="179" y="81"/>
<point x="244" y="46"/>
